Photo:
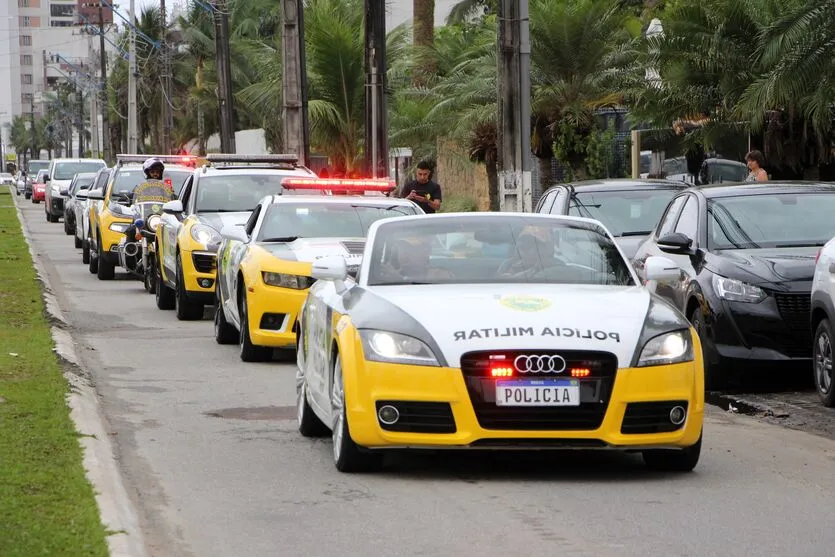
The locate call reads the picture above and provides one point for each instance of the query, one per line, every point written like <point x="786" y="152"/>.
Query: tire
<point x="187" y="309"/>
<point x="164" y="296"/>
<point x="225" y="333"/>
<point x="250" y="352"/>
<point x="348" y="457"/>
<point x="27" y="196"/>
<point x="52" y="218"/>
<point x="667" y="460"/>
<point x="85" y="251"/>
<point x="106" y="270"/>
<point x="309" y="423"/>
<point x="67" y="230"/>
<point x="78" y="243"/>
<point x="46" y="214"/>
<point x="715" y="379"/>
<point x="822" y="363"/>
<point x="149" y="279"/>
<point x="94" y="259"/>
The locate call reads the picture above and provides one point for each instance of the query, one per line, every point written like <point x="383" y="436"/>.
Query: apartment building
<point x="43" y="42"/>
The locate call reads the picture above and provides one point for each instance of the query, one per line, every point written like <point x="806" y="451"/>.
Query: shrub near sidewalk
<point x="47" y="507"/>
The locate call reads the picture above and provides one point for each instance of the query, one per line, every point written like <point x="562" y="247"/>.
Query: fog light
<point x="677" y="415"/>
<point x="388" y="414"/>
<point x="205" y="283"/>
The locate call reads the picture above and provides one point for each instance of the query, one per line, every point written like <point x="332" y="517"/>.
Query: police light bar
<point x="339" y="185"/>
<point x="265" y="159"/>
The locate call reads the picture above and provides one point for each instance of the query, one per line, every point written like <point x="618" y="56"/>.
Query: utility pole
<point x="376" y="124"/>
<point x="294" y="82"/>
<point x="224" y="93"/>
<point x="94" y="111"/>
<point x="35" y="152"/>
<point x="167" y="109"/>
<point x="105" y="103"/>
<point x="514" y="117"/>
<point x="80" y="94"/>
<point x="132" y="140"/>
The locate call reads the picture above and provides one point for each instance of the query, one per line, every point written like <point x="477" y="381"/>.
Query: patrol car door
<point x="171" y="225"/>
<point x="318" y="333"/>
<point x="237" y="252"/>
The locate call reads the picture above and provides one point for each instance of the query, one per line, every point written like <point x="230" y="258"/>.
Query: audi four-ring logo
<point x="539" y="364"/>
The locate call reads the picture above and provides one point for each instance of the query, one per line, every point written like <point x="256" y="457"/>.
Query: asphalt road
<point x="213" y="461"/>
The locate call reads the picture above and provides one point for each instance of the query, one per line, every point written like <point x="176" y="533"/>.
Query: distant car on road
<point x="747" y="259"/>
<point x="59" y="178"/>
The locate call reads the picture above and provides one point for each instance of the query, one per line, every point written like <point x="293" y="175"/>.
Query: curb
<point x="116" y="510"/>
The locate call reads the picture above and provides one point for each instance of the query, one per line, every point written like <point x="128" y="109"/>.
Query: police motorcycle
<point x="137" y="251"/>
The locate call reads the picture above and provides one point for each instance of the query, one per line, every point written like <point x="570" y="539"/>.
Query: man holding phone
<point x="422" y="190"/>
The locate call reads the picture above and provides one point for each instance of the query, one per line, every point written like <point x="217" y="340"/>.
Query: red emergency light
<point x="168" y="182"/>
<point x="339" y="185"/>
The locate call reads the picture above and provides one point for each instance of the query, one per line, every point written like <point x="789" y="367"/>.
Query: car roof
<point x="763" y="188"/>
<point x="77" y="160"/>
<point x="368" y="200"/>
<point x="621" y="184"/>
<point x="237" y="170"/>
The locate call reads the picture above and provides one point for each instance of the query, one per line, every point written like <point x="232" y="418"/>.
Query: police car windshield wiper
<point x="635" y="233"/>
<point x="218" y="211"/>
<point x="282" y="239"/>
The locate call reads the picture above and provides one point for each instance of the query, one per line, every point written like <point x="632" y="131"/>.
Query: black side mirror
<point x="675" y="243"/>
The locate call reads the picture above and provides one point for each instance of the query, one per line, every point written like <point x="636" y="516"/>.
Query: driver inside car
<point x="411" y="262"/>
<point x="534" y="253"/>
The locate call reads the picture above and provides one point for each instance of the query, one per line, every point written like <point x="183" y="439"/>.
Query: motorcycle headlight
<point x="669" y="348"/>
<point x="284" y="280"/>
<point x="737" y="291"/>
<point x="206" y="235"/>
<point x="153" y="222"/>
<point x="394" y="348"/>
<point x="119" y="226"/>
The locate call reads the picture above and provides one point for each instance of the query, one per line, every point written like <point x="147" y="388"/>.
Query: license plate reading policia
<point x="538" y="392"/>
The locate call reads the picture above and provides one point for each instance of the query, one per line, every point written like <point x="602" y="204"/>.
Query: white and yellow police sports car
<point x="264" y="266"/>
<point x="542" y="337"/>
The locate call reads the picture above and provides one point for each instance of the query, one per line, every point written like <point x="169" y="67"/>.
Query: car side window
<point x="688" y="222"/>
<point x="547" y="201"/>
<point x="185" y="193"/>
<point x="253" y="218"/>
<point x="101" y="180"/>
<point x="668" y="221"/>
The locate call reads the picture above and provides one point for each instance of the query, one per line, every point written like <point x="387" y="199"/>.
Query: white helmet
<point x="152" y="164"/>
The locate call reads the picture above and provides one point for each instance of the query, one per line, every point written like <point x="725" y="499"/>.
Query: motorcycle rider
<point x="152" y="189"/>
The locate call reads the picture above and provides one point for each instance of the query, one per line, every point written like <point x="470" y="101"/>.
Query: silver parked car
<point x="79" y="186"/>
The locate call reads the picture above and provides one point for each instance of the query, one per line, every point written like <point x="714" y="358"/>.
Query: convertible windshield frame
<point x="726" y="212"/>
<point x="492" y="249"/>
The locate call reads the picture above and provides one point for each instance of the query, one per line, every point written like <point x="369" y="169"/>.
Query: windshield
<point x="289" y="221"/>
<point x="625" y="212"/>
<point x="128" y="179"/>
<point x="237" y="192"/>
<point x="725" y="172"/>
<point x="771" y="221"/>
<point x="36" y="166"/>
<point x="503" y="250"/>
<point x="66" y="170"/>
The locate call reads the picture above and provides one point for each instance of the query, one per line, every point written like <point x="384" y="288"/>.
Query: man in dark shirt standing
<point x="422" y="190"/>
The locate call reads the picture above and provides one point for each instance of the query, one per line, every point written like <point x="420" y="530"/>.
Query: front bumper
<point x="273" y="312"/>
<point x="635" y="393"/>
<point x="56" y="206"/>
<point x="776" y="329"/>
<point x="200" y="274"/>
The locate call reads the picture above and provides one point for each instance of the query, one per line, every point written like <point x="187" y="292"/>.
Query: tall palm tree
<point x="423" y="17"/>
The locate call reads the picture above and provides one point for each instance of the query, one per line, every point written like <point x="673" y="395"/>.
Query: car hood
<point x="219" y="220"/>
<point x="463" y="318"/>
<point x="310" y="249"/>
<point x="765" y="266"/>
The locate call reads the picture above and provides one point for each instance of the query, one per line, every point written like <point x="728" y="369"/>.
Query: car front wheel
<point x="347" y="455"/>
<point x="822" y="362"/>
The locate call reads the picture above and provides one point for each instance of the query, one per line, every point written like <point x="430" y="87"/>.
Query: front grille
<point x="420" y="417"/>
<point x="796" y="309"/>
<point x="650" y="417"/>
<point x="354" y="248"/>
<point x="595" y="392"/>
<point x="204" y="262"/>
<point x="57" y="204"/>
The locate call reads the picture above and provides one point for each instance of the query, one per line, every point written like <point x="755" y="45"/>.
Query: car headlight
<point x="737" y="291"/>
<point x="119" y="226"/>
<point x="206" y="235"/>
<point x="669" y="348"/>
<point x="153" y="222"/>
<point x="394" y="348"/>
<point x="284" y="280"/>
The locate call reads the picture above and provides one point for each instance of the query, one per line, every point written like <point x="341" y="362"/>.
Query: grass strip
<point x="47" y="506"/>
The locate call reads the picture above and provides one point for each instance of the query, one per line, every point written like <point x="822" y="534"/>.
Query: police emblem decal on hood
<point x="525" y="303"/>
